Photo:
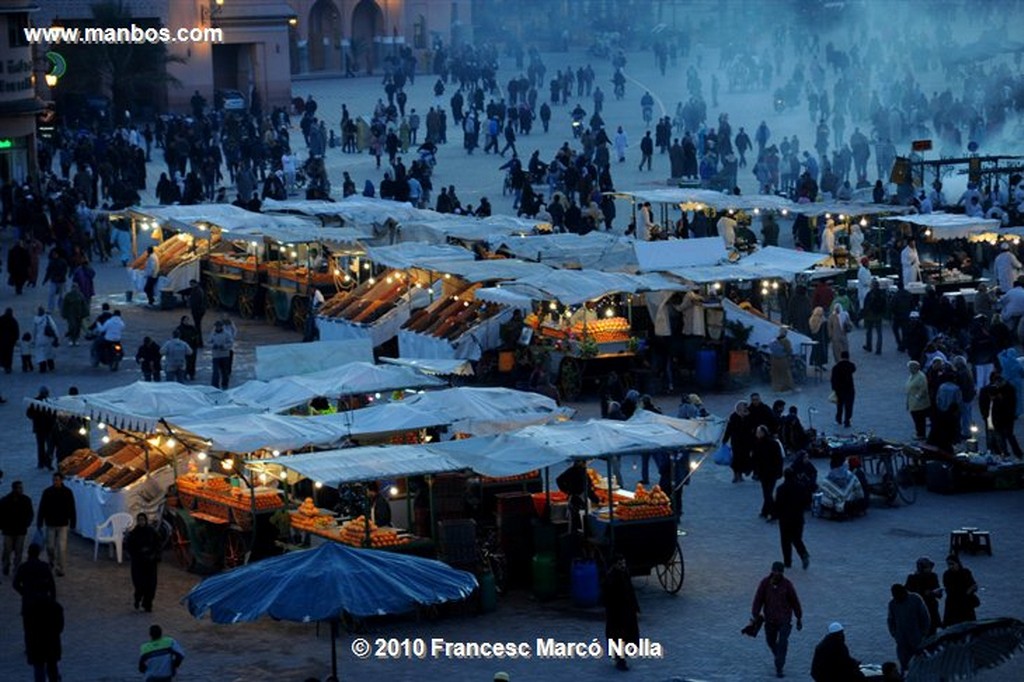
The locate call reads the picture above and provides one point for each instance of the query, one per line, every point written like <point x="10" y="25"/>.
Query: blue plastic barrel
<point x="584" y="590"/>
<point x="707" y="368"/>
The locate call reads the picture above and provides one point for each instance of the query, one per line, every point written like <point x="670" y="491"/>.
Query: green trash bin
<point x="545" y="580"/>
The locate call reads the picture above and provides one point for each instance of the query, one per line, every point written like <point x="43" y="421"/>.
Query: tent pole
<point x="334" y="647"/>
<point x="430" y="491"/>
<point x="611" y="504"/>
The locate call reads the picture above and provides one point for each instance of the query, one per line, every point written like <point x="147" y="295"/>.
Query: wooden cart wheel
<point x="210" y="289"/>
<point x="671" y="573"/>
<point x="235" y="549"/>
<point x="570" y="378"/>
<point x="181" y="545"/>
<point x="247" y="301"/>
<point x="300" y="311"/>
<point x="269" y="309"/>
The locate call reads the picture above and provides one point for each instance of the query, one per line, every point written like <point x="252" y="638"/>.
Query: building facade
<point x="19" y="105"/>
<point x="357" y="35"/>
<point x="253" y="54"/>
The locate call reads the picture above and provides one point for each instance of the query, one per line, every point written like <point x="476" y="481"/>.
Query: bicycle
<point x="492" y="559"/>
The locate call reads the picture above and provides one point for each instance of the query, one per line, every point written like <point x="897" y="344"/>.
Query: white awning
<point x="352" y="465"/>
<point x="414" y="254"/>
<point x="764" y="331"/>
<point x="289" y="359"/>
<point x="948" y="225"/>
<point x="482" y="411"/>
<point x="594" y="250"/>
<point x="705" y="197"/>
<point x="463" y="368"/>
<point x="852" y="208"/>
<point x="355" y="378"/>
<point x="673" y="254"/>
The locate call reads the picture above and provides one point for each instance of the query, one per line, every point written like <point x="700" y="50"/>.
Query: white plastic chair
<point x="111" y="532"/>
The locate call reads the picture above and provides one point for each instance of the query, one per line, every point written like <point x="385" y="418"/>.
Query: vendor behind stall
<point x="575" y="483"/>
<point x="380" y="510"/>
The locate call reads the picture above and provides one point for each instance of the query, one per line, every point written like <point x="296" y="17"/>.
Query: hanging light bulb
<point x="263" y="479"/>
<point x="171" y="442"/>
<point x="393" y="491"/>
<point x="275" y="453"/>
<point x="201" y="456"/>
<point x="105" y="439"/>
<point x="82" y="431"/>
<point x="318" y="485"/>
<point x="609" y="312"/>
<point x="863" y="222"/>
<point x="227" y="464"/>
<point x="785" y="212"/>
<point x="101" y="426"/>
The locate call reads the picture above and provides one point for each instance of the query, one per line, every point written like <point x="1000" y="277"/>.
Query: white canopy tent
<point x="699" y="198"/>
<point x="142" y="405"/>
<point x="507" y="454"/>
<point x="847" y="209"/>
<point x="484" y="411"/>
<point x="767" y="262"/>
<point x="574" y="287"/>
<point x="197" y="220"/>
<point x="462" y="368"/>
<point x="764" y="330"/>
<point x="414" y="254"/>
<point x="250" y="432"/>
<point x="948" y="225"/>
<point x="290" y="359"/>
<point x="671" y="255"/>
<point x="354" y="378"/>
<point x="594" y="250"/>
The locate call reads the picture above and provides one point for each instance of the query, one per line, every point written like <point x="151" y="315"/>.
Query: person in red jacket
<point x="776" y="602"/>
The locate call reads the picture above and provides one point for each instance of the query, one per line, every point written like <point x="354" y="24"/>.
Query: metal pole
<point x="611" y="506"/>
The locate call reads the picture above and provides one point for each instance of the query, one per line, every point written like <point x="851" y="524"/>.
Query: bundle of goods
<point x="644" y="505"/>
<point x="170" y="254"/>
<point x="308" y="517"/>
<point x="116" y="465"/>
<point x="354" y="533"/>
<point x="298" y="273"/>
<point x="528" y="476"/>
<point x="369" y="301"/>
<point x="229" y="260"/>
<point x="606" y="330"/>
<point x="451" y="317"/>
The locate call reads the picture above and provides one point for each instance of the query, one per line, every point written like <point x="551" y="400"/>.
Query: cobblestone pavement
<point x="727" y="547"/>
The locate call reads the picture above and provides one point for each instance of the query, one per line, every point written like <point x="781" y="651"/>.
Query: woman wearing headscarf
<point x="838" y="326"/>
<point x="780" y="351"/>
<point x="819" y="333"/>
<point x="919" y="401"/>
<point x="739" y="436"/>
<point x="961" y="592"/>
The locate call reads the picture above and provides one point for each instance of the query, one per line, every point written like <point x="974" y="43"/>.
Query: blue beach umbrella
<point x="324" y="583"/>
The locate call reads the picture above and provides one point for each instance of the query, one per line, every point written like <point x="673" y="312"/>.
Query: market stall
<point x="177" y="247"/>
<point x="387" y="289"/>
<point x="458" y="324"/>
<point x="592" y="251"/>
<point x="580" y="319"/>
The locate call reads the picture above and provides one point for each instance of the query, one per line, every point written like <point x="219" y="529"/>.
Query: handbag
<point x="833" y="398"/>
<point x="723" y="455"/>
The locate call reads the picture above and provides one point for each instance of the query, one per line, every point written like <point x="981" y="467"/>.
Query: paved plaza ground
<point x="728" y="549"/>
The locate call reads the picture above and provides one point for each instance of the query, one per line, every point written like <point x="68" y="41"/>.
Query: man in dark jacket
<point x="646" y="151"/>
<point x="842" y="384"/>
<point x="621" y="608"/>
<point x="15" y="518"/>
<point x="832" y="660"/>
<point x="908" y="621"/>
<point x="790" y="503"/>
<point x="768" y="456"/>
<point x="57" y="513"/>
<point x="143" y="544"/>
<point x="874" y="313"/>
<point x="44" y="424"/>
<point x="197" y="305"/>
<point x="44" y="624"/>
<point x="1000" y="399"/>
<point x="775" y="604"/>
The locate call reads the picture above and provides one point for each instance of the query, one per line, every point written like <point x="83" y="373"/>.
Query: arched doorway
<point x="367" y="23"/>
<point x="324" y="35"/>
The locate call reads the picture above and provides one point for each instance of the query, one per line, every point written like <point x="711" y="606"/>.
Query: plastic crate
<point x="456" y="541"/>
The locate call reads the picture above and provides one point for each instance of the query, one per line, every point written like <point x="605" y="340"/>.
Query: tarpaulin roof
<point x="490" y="270"/>
<point x="141" y="406"/>
<point x="678" y="253"/>
<point x="770" y="261"/>
<point x="371" y="463"/>
<point x="574" y="287"/>
<point x="764" y="331"/>
<point x="250" y="432"/>
<point x="365" y="211"/>
<point x="852" y="208"/>
<point x="706" y="197"/>
<point x="949" y="225"/>
<point x="439" y="227"/>
<point x="327" y="582"/>
<point x="228" y="218"/>
<point x="437" y="366"/>
<point x="481" y="411"/>
<point x="289" y="359"/>
<point x="594" y="250"/>
<point x="353" y="378"/>
<point x="505" y="454"/>
<point x="415" y="254"/>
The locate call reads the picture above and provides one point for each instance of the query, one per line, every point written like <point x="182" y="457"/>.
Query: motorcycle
<point x="577" y="128"/>
<point x="110" y="353"/>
